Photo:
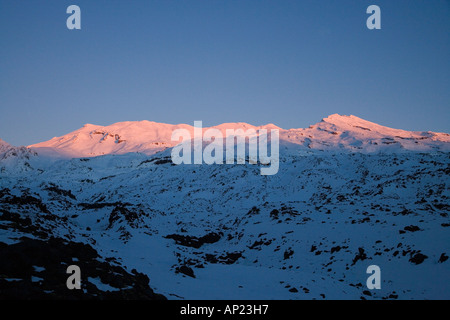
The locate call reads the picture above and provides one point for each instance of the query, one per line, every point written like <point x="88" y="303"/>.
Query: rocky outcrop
<point x="36" y="269"/>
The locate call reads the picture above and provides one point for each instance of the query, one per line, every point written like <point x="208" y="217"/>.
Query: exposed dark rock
<point x="55" y="189"/>
<point x="158" y="161"/>
<point x="289" y="210"/>
<point x="336" y="249"/>
<point x="120" y="212"/>
<point x="274" y="214"/>
<point x="258" y="243"/>
<point x="367" y="293"/>
<point x="211" y="258"/>
<point x="191" y="241"/>
<point x="163" y="161"/>
<point x="361" y="255"/>
<point x="405" y="212"/>
<point x="412" y="228"/>
<point x="22" y="224"/>
<point x="418" y="258"/>
<point x="227" y="258"/>
<point x="288" y="253"/>
<point x="100" y="205"/>
<point x="186" y="270"/>
<point x="36" y="269"/>
<point x="443" y="258"/>
<point x="253" y="211"/>
<point x="230" y="257"/>
<point x="26" y="200"/>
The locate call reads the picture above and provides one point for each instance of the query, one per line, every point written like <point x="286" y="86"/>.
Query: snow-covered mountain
<point x="348" y="194"/>
<point x="9" y="151"/>
<point x="15" y="158"/>
<point x="123" y="137"/>
<point x="334" y="132"/>
<point x="355" y="134"/>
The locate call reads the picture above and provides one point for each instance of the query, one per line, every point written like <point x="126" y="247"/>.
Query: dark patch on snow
<point x="192" y="241"/>
<point x="443" y="258"/>
<point x="361" y="255"/>
<point x="418" y="258"/>
<point x="185" y="270"/>
<point x="18" y="261"/>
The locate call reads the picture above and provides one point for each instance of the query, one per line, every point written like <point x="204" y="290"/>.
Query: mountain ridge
<point x="335" y="132"/>
<point x="308" y="232"/>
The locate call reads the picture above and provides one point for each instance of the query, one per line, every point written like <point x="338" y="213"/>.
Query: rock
<point x="336" y="249"/>
<point x="418" y="258"/>
<point x="186" y="270"/>
<point x="227" y="258"/>
<point x="359" y="256"/>
<point x="191" y="241"/>
<point x="443" y="258"/>
<point x="120" y="212"/>
<point x="274" y="214"/>
<point x="48" y="260"/>
<point x="288" y="253"/>
<point x="412" y="228"/>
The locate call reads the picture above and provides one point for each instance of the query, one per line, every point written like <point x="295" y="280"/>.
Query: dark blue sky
<point x="285" y="62"/>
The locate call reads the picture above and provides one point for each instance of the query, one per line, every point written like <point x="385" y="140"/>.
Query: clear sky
<point x="290" y="63"/>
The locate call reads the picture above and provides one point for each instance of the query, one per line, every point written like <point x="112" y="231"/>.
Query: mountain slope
<point x="351" y="133"/>
<point x="132" y="136"/>
<point x="332" y="133"/>
<point x="227" y="232"/>
<point x="9" y="151"/>
<point x="15" y="159"/>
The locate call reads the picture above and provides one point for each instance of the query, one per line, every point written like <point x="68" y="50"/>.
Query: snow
<point x="12" y="279"/>
<point x="333" y="132"/>
<point x="36" y="279"/>
<point x="38" y="269"/>
<point x="100" y="285"/>
<point x="335" y="188"/>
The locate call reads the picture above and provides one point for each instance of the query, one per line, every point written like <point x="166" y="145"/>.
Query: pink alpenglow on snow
<point x="334" y="133"/>
<point x="232" y="142"/>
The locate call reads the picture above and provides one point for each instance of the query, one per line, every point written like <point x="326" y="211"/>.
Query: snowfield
<point x="348" y="194"/>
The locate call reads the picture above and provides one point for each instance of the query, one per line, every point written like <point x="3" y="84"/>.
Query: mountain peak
<point x="4" y="146"/>
<point x="335" y="116"/>
<point x="89" y="125"/>
<point x="3" y="142"/>
<point x="340" y="119"/>
<point x="354" y="123"/>
<point x="335" y="132"/>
